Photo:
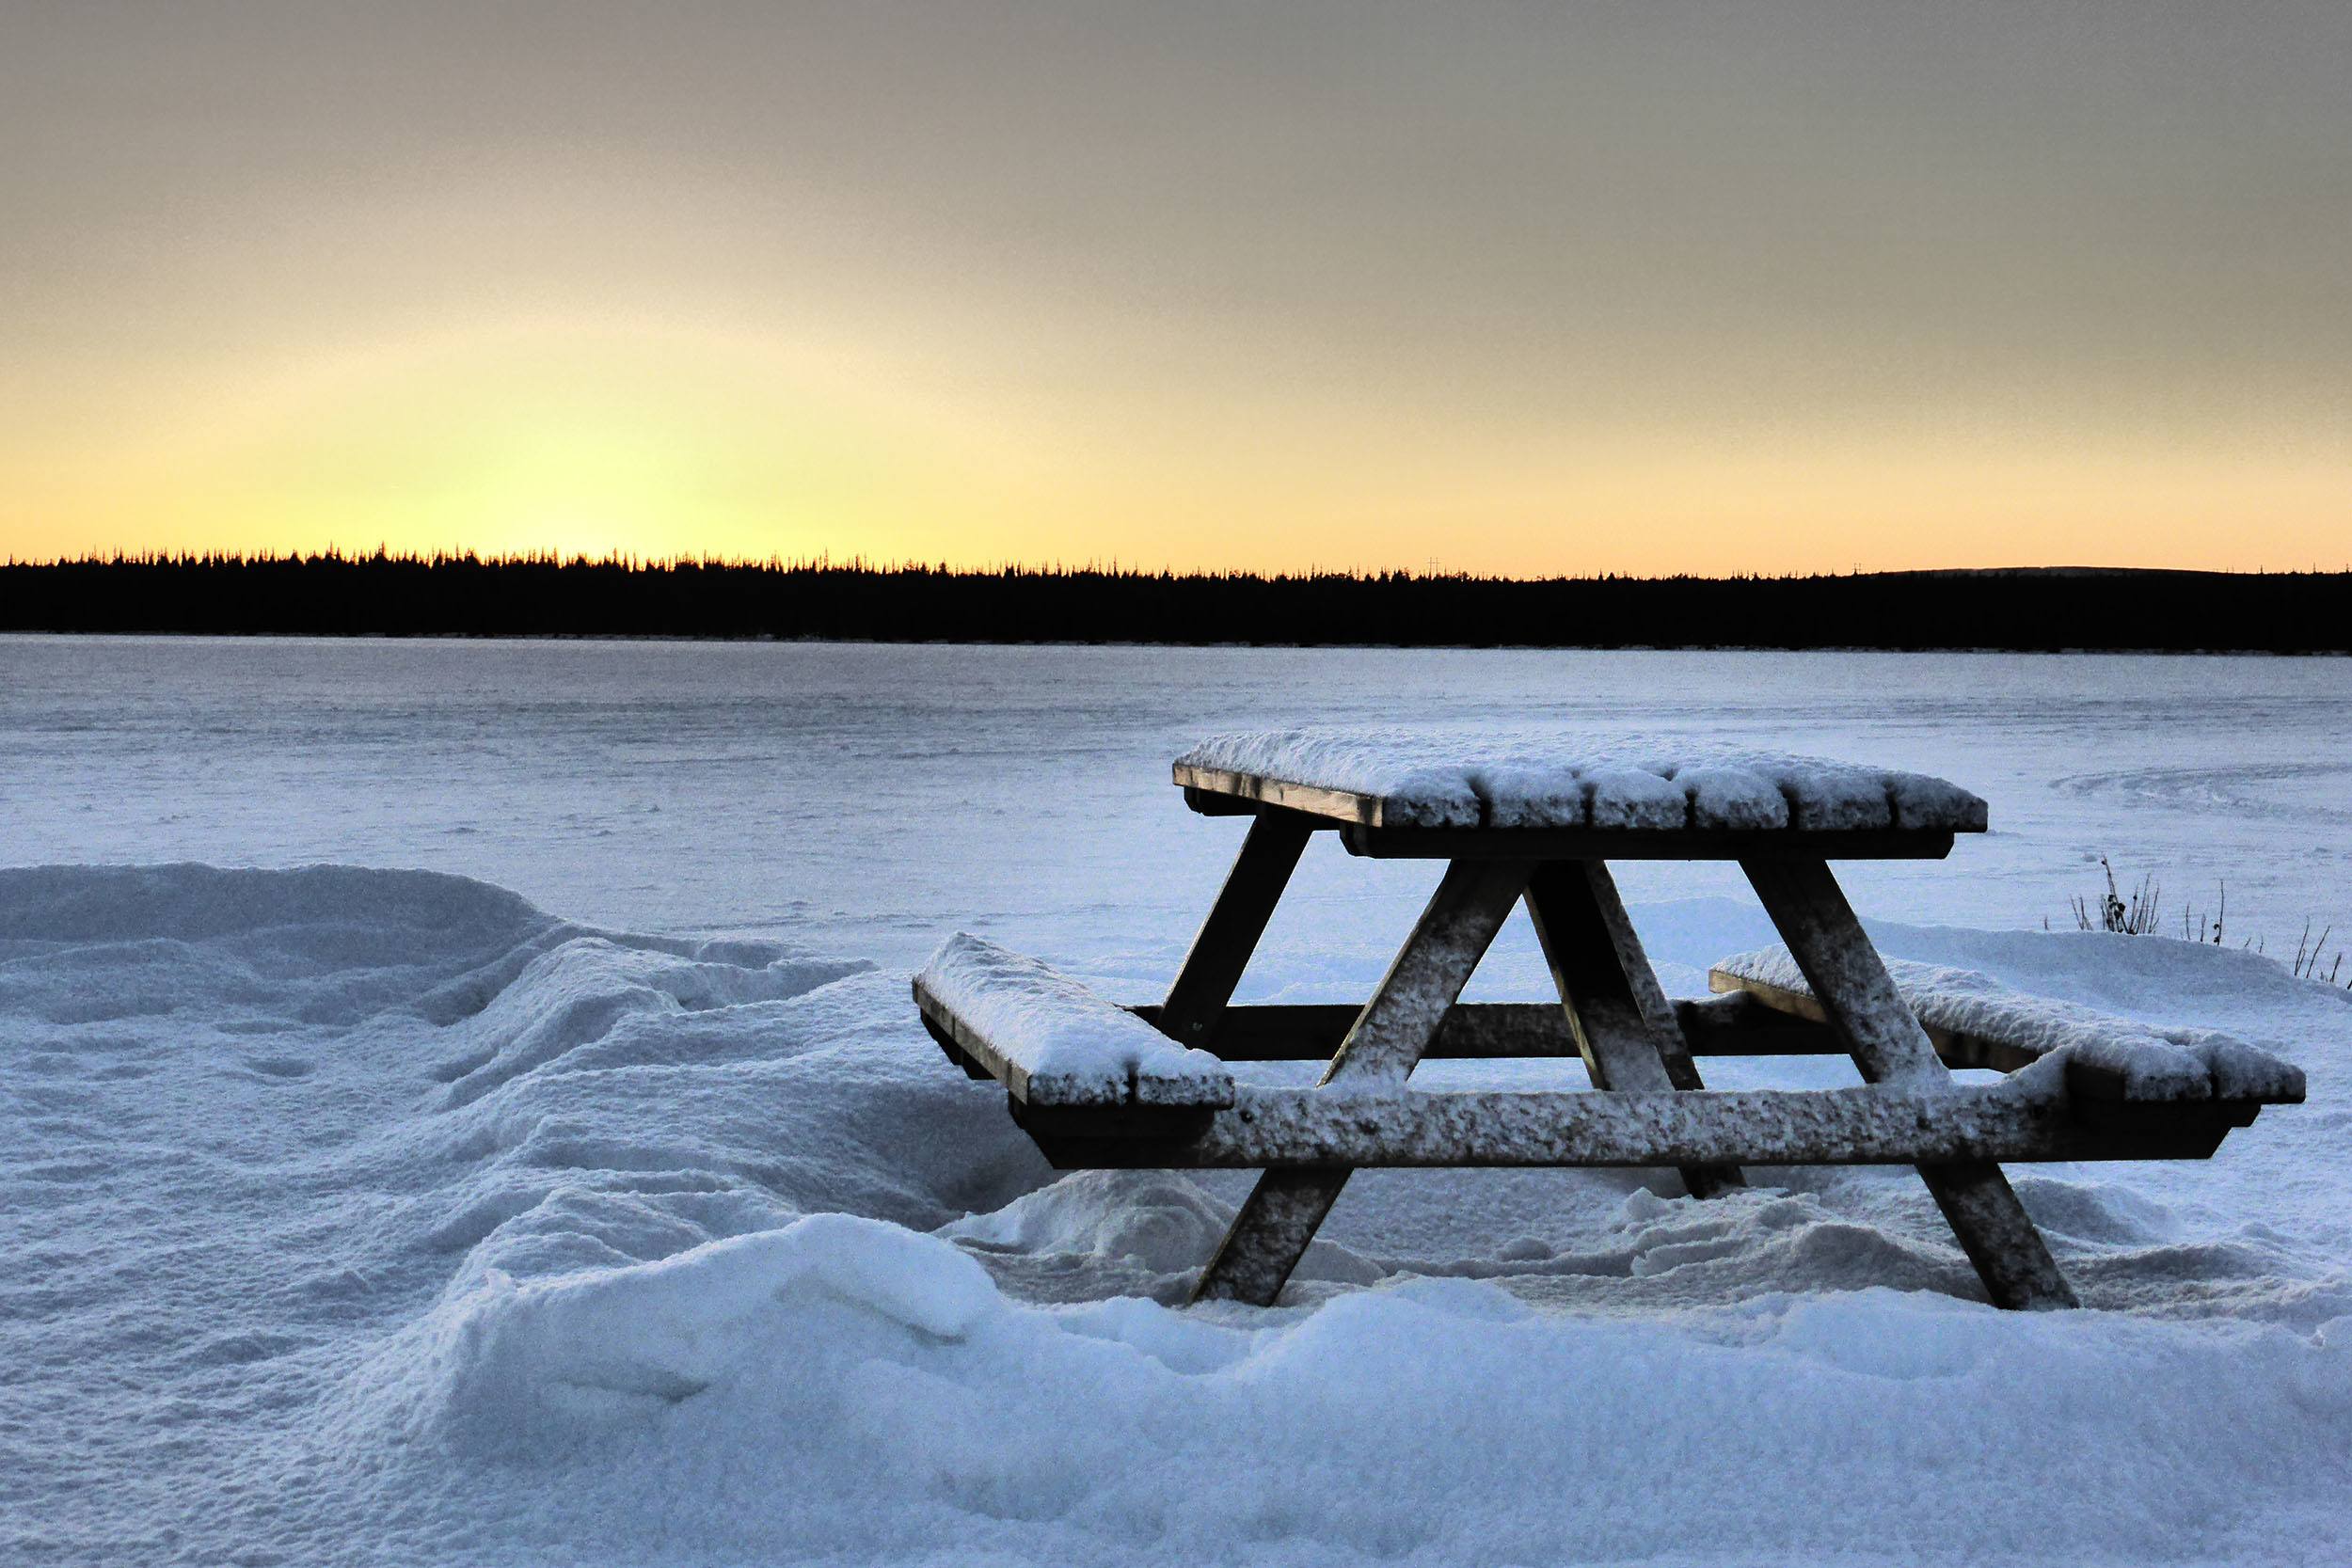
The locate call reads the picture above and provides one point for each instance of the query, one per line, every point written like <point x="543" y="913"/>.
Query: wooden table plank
<point x="1559" y="784"/>
<point x="1312" y="1031"/>
<point x="1338" y="805"/>
<point x="1732" y="1025"/>
<point x="1644" y="844"/>
<point x="1323" y="1134"/>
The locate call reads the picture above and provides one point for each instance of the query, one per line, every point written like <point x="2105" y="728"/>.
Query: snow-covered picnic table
<point x="1697" y="800"/>
<point x="1536" y="820"/>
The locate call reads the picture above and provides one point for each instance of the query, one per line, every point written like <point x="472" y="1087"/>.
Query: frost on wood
<point x="2150" y="1063"/>
<point x="1065" y="1045"/>
<point x="1529" y="779"/>
<point x="1375" y="1125"/>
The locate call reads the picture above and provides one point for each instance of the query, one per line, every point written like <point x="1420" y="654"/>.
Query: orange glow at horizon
<point x="662" y="444"/>
<point x="1661" y="290"/>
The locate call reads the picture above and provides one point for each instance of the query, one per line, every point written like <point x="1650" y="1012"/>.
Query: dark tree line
<point x="464" y="596"/>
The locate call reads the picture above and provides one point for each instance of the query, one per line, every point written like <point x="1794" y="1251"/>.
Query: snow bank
<point x="370" y="1217"/>
<point x="533" y="1366"/>
<point x="1548" y="779"/>
<point x="838" y="1385"/>
<point x="2150" y="1063"/>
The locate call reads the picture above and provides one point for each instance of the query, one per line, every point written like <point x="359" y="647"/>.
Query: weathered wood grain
<point x="1731" y="1025"/>
<point x="1219" y="952"/>
<point x="1426" y="977"/>
<point x="1956" y="1048"/>
<point x="1889" y="1045"/>
<point x="2088" y="1079"/>
<point x="1624" y="1028"/>
<point x="1312" y="1031"/>
<point x="1335" y="804"/>
<point x="1143" y="1068"/>
<point x="1327" y="1134"/>
<point x="1647" y="844"/>
<point x="1282" y="1214"/>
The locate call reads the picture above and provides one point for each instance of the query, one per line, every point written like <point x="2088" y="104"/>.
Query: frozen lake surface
<point x="866" y="797"/>
<point x="588" y="1193"/>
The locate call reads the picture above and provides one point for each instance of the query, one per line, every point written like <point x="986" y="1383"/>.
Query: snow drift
<point x="377" y="1216"/>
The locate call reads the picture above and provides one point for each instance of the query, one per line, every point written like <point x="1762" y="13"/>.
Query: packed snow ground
<point x="378" y="1216"/>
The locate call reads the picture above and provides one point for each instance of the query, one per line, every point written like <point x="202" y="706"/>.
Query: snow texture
<point x="378" y="1217"/>
<point x="2151" y="1063"/>
<point x="1072" y="1047"/>
<point x="1521" y="779"/>
<point x="373" y="1217"/>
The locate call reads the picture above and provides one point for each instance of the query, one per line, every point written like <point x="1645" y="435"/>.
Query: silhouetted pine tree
<point x="540" y="595"/>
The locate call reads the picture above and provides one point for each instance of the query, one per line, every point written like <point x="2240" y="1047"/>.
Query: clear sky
<point x="1532" y="288"/>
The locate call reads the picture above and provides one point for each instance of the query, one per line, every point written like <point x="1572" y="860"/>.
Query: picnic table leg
<point x="1219" y="952"/>
<point x="1889" y="1046"/>
<point x="1275" y="1226"/>
<point x="1624" y="1026"/>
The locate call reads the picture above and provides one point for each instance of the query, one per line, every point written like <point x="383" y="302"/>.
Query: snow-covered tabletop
<point x="1522" y="779"/>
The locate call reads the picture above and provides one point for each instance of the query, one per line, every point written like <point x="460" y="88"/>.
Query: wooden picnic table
<point x="1146" y="1086"/>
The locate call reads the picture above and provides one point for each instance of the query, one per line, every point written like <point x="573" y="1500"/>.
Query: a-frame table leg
<point x="1889" y="1046"/>
<point x="1624" y="1026"/>
<point x="1213" y="967"/>
<point x="1275" y="1226"/>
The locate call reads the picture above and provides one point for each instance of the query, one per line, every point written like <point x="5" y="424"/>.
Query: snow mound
<point x="529" y="1367"/>
<point x="591" y="1002"/>
<point x="324" y="944"/>
<point x="398" y="1222"/>
<point x="839" y="1386"/>
<point x="1162" y="1221"/>
<point x="1562" y="779"/>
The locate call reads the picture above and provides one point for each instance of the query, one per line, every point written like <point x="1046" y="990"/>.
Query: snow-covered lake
<point x="611" y="1206"/>
<point x="867" y="796"/>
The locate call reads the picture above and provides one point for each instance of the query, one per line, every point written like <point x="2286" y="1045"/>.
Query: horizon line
<point x="826" y="561"/>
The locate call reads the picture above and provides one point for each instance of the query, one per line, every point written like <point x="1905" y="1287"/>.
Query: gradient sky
<point x="1540" y="288"/>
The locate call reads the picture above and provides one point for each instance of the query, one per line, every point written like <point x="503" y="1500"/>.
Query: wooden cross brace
<point x="1624" y="1027"/>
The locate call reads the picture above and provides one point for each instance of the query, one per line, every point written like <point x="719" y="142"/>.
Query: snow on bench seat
<point x="1053" y="1042"/>
<point x="1519" y="779"/>
<point x="2112" y="1057"/>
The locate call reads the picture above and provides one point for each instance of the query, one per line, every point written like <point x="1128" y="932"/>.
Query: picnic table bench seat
<point x="1533" y="819"/>
<point x="1099" y="1087"/>
<point x="1052" y="1044"/>
<point x="1975" y="1022"/>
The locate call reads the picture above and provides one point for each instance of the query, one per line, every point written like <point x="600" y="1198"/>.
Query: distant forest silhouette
<point x="465" y="595"/>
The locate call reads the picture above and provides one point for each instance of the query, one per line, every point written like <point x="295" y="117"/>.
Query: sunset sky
<point x="1525" y="289"/>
